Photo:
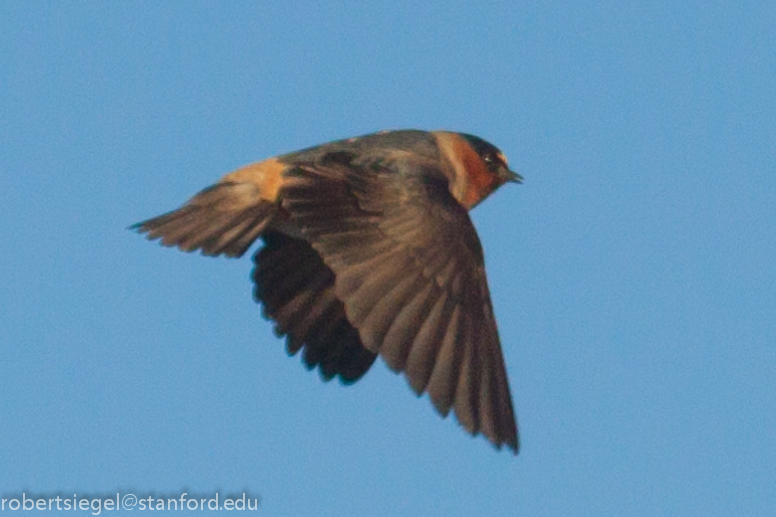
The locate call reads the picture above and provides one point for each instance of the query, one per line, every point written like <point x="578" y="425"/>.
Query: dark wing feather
<point x="297" y="291"/>
<point x="295" y="286"/>
<point x="408" y="266"/>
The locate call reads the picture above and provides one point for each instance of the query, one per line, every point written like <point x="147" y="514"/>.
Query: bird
<point x="369" y="250"/>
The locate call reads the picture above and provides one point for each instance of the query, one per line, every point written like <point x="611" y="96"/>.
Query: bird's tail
<point x="222" y="219"/>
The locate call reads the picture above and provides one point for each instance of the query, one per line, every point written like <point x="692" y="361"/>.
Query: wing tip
<point x="508" y="439"/>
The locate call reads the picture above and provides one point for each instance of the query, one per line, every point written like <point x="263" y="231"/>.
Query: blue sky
<point x="632" y="273"/>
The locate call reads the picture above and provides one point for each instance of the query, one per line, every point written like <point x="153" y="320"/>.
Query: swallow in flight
<point x="369" y="250"/>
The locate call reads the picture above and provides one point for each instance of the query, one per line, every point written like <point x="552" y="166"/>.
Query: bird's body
<point x="369" y="250"/>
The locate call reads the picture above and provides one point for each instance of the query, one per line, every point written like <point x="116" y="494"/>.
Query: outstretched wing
<point x="295" y="287"/>
<point x="409" y="270"/>
<point x="296" y="290"/>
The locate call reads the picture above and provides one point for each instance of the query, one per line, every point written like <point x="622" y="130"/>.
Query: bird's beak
<point x="510" y="176"/>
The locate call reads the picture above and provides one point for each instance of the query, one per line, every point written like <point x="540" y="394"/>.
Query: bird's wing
<point x="296" y="290"/>
<point x="409" y="269"/>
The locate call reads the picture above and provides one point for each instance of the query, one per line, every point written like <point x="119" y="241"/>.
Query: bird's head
<point x="479" y="168"/>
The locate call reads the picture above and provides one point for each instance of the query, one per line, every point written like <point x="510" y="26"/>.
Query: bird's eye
<point x="493" y="161"/>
